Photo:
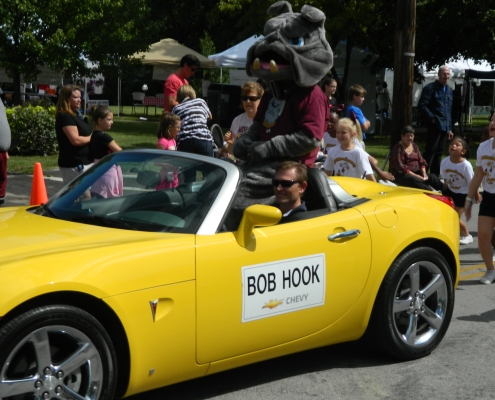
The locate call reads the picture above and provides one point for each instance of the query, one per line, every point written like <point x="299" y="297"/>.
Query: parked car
<point x="107" y="297"/>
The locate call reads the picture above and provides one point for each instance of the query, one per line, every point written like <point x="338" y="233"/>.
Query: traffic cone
<point x="38" y="190"/>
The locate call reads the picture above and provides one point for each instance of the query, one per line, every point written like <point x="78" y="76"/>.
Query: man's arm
<point x="424" y="102"/>
<point x="170" y="89"/>
<point x="171" y="102"/>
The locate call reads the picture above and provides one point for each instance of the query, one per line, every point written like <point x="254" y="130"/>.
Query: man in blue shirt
<point x="435" y="106"/>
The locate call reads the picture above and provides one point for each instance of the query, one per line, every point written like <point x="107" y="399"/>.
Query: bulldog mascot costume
<point x="293" y="114"/>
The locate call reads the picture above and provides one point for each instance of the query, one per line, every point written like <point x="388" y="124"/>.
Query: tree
<point x="450" y="30"/>
<point x="63" y="33"/>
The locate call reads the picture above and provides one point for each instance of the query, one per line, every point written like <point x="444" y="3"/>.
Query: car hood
<point x="41" y="254"/>
<point x="24" y="234"/>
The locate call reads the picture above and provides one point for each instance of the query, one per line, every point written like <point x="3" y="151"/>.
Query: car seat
<point x="318" y="194"/>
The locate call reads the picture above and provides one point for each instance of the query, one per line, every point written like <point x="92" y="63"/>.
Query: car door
<point x="289" y="282"/>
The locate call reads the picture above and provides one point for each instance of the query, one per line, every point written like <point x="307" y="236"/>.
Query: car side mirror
<point x="256" y="215"/>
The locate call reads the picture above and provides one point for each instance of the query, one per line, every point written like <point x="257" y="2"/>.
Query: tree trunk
<point x="403" y="67"/>
<point x="348" y="51"/>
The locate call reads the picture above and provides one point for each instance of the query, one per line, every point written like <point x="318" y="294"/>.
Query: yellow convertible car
<point x="104" y="297"/>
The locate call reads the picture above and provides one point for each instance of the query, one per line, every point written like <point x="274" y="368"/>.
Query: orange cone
<point x="38" y="190"/>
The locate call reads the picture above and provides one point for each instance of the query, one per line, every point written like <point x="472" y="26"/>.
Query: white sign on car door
<point x="283" y="286"/>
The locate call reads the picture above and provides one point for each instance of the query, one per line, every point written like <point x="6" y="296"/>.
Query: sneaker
<point x="466" y="239"/>
<point x="488" y="278"/>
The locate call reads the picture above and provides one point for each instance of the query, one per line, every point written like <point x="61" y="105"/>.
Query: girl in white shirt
<point x="347" y="159"/>
<point x="457" y="173"/>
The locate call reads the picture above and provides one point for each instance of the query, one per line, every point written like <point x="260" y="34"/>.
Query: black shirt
<point x="71" y="156"/>
<point x="298" y="209"/>
<point x="99" y="144"/>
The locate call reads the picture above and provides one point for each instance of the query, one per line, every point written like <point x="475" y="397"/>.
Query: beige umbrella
<point x="168" y="52"/>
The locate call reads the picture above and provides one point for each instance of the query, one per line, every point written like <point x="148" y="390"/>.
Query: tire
<point x="56" y="352"/>
<point x="414" y="305"/>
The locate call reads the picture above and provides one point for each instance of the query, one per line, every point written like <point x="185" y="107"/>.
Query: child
<point x="167" y="131"/>
<point x="330" y="138"/>
<point x="356" y="99"/>
<point x="169" y="176"/>
<point x="457" y="173"/>
<point x="111" y="183"/>
<point x="194" y="135"/>
<point x="347" y="159"/>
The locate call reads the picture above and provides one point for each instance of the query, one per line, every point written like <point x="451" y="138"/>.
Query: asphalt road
<point x="462" y="367"/>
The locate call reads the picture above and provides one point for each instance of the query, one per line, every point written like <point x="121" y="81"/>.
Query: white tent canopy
<point x="458" y="68"/>
<point x="235" y="57"/>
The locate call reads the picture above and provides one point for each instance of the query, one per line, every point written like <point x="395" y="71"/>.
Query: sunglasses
<point x="285" y="183"/>
<point x="250" y="98"/>
<point x="193" y="69"/>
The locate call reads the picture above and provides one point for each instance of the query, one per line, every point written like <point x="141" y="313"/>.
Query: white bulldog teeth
<point x="256" y="64"/>
<point x="273" y="67"/>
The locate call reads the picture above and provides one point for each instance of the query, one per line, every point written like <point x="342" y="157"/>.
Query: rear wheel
<point x="56" y="352"/>
<point x="414" y="306"/>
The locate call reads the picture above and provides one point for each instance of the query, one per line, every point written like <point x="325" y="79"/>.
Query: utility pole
<point x="405" y="32"/>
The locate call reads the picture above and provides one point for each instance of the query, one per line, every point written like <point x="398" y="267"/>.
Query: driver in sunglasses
<point x="289" y="185"/>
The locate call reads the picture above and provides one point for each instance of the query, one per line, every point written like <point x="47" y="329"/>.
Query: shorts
<point x="487" y="206"/>
<point x="459" y="198"/>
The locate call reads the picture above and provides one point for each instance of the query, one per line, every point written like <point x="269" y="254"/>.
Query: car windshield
<point x="151" y="191"/>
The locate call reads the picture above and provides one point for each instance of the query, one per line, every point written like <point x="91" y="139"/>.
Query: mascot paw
<point x="241" y="147"/>
<point x="258" y="151"/>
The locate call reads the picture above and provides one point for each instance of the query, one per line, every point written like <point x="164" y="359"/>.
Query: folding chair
<point x="137" y="100"/>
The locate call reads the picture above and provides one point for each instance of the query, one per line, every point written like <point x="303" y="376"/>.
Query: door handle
<point x="344" y="235"/>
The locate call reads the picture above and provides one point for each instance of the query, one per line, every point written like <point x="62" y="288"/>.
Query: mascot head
<point x="294" y="47"/>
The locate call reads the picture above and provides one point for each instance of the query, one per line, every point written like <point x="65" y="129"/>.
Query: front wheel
<point x="414" y="305"/>
<point x="56" y="352"/>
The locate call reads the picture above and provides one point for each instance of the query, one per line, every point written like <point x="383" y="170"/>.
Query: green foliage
<point x="33" y="130"/>
<point x="207" y="49"/>
<point x="61" y="33"/>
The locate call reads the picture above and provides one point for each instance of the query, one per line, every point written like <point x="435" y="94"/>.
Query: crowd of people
<point x="184" y="126"/>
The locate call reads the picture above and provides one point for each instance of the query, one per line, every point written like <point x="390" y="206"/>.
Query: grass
<point x="130" y="132"/>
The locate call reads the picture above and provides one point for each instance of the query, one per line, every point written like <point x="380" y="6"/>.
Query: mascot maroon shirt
<point x="305" y="110"/>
